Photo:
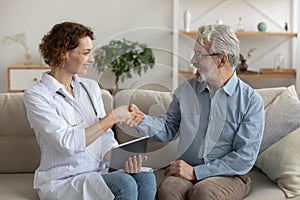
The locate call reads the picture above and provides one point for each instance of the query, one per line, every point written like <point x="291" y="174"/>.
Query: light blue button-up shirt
<point x="219" y="134"/>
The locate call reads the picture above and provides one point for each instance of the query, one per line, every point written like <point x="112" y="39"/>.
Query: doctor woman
<point x="72" y="129"/>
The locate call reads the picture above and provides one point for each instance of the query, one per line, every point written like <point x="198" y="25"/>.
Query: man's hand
<point x="181" y="169"/>
<point x="136" y="116"/>
<point x="134" y="163"/>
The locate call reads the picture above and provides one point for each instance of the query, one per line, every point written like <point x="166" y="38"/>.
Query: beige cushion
<point x="282" y="116"/>
<point x="19" y="151"/>
<point x="17" y="186"/>
<point x="269" y="94"/>
<point x="107" y="100"/>
<point x="13" y="115"/>
<point x="263" y="187"/>
<point x="281" y="162"/>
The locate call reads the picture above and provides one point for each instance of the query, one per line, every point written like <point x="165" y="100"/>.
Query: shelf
<point x="265" y="73"/>
<point x="245" y="75"/>
<point x="250" y="34"/>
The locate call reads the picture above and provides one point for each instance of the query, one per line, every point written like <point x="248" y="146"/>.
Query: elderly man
<point x="219" y="121"/>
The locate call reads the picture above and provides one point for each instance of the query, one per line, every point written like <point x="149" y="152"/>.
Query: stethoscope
<point x="90" y="99"/>
<point x="95" y="111"/>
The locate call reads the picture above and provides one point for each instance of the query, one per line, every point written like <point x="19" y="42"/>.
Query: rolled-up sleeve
<point x="165" y="127"/>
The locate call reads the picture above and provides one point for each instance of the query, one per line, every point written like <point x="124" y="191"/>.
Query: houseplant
<point x="124" y="57"/>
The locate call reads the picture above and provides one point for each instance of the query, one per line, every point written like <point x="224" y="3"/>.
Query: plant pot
<point x="243" y="66"/>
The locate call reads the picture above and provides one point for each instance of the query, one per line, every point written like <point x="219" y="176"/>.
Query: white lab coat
<point x="68" y="169"/>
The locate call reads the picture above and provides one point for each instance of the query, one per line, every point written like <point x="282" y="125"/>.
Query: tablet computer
<point x="122" y="152"/>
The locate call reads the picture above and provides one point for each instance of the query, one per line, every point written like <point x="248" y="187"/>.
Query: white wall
<point x="146" y="21"/>
<point x="272" y="12"/>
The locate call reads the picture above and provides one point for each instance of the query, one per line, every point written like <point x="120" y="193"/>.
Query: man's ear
<point x="224" y="60"/>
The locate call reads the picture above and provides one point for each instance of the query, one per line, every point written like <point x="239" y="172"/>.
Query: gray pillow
<point x="282" y="117"/>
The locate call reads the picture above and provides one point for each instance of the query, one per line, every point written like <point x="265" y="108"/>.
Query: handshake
<point x="129" y="115"/>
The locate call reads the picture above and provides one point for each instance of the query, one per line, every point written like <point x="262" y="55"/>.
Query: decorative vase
<point x="243" y="66"/>
<point x="240" y="25"/>
<point x="27" y="57"/>
<point x="187" y="20"/>
<point x="262" y="27"/>
<point x="278" y="61"/>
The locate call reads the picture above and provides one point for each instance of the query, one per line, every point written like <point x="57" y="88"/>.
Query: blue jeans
<point x="141" y="186"/>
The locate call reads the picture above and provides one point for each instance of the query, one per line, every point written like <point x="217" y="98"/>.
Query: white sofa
<point x="19" y="152"/>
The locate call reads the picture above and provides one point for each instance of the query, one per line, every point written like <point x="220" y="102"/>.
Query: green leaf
<point x="124" y="57"/>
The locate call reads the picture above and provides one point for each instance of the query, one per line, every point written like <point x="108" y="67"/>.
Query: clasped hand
<point x="130" y="115"/>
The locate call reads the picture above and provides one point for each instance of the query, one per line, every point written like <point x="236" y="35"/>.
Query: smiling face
<point x="79" y="59"/>
<point x="205" y="63"/>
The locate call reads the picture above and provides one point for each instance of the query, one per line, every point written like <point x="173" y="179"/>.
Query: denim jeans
<point x="141" y="186"/>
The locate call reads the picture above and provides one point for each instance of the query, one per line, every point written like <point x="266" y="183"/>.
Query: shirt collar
<point x="228" y="87"/>
<point x="53" y="85"/>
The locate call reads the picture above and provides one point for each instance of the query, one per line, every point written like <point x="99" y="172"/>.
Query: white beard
<point x="211" y="75"/>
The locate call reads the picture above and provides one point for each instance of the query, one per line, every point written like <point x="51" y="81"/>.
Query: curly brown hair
<point x="60" y="39"/>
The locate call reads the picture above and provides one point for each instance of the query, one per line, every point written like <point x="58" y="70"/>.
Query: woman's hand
<point x="137" y="116"/>
<point x="134" y="163"/>
<point x="131" y="115"/>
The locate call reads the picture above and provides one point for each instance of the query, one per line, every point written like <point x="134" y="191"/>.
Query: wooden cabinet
<point x="23" y="76"/>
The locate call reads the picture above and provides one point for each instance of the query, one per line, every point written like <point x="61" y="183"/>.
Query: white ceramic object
<point x="187" y="20"/>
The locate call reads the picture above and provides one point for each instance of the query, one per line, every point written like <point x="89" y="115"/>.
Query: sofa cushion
<point x="108" y="101"/>
<point x="281" y="162"/>
<point x="269" y="94"/>
<point x="19" y="151"/>
<point x="282" y="116"/>
<point x="17" y="186"/>
<point x="263" y="187"/>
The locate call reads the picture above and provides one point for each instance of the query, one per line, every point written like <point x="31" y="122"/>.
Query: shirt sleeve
<point x="245" y="145"/>
<point x="107" y="139"/>
<point x="47" y="123"/>
<point x="165" y="127"/>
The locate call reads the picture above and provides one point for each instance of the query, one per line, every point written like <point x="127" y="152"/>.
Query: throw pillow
<point x="269" y="94"/>
<point x="282" y="116"/>
<point x="281" y="162"/>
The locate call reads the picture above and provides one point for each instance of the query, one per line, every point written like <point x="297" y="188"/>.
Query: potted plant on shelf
<point x="243" y="60"/>
<point x="123" y="57"/>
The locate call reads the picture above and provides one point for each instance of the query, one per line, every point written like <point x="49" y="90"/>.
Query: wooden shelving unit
<point x="250" y="34"/>
<point x="264" y="73"/>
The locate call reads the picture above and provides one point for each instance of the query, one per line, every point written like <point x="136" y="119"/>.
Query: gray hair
<point x="222" y="40"/>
